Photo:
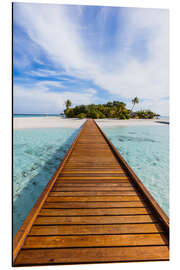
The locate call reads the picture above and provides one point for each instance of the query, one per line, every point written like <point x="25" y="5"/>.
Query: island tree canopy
<point x="115" y="109"/>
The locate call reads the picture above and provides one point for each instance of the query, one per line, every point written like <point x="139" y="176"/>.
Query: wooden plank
<point x="90" y="177"/>
<point x="90" y="174"/>
<point x="94" y="241"/>
<point x="108" y="181"/>
<point x="121" y="198"/>
<point x="95" y="229"/>
<point x="91" y="188"/>
<point x="94" y="212"/>
<point x="92" y="204"/>
<point x="97" y="167"/>
<point x="90" y="184"/>
<point x="90" y="255"/>
<point x="90" y="171"/>
<point x="89" y="161"/>
<point x="95" y="220"/>
<point x="91" y="193"/>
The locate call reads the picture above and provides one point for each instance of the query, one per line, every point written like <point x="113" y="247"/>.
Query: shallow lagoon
<point x="146" y="149"/>
<point x="37" y="153"/>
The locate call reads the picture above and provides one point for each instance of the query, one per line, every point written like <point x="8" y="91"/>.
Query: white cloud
<point x="148" y="78"/>
<point x="43" y="73"/>
<point x="48" y="84"/>
<point x="53" y="30"/>
<point x="42" y="101"/>
<point x="158" y="105"/>
<point x="49" y="27"/>
<point x="91" y="91"/>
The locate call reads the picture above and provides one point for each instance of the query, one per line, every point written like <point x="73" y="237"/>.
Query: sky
<point x="89" y="54"/>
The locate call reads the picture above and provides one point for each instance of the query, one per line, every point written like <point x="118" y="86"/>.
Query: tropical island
<point x="115" y="109"/>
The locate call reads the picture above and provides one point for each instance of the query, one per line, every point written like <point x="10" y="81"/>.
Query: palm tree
<point x="68" y="104"/>
<point x="134" y="101"/>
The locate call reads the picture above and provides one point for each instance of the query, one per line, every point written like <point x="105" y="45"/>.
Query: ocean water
<point x="33" y="115"/>
<point x="38" y="152"/>
<point x="36" y="155"/>
<point x="146" y="149"/>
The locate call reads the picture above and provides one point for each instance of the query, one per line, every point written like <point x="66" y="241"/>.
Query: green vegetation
<point x="134" y="101"/>
<point x="144" y="114"/>
<point x="115" y="109"/>
<point x="68" y="104"/>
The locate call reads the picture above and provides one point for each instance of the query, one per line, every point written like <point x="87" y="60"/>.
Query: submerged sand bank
<point x="58" y="122"/>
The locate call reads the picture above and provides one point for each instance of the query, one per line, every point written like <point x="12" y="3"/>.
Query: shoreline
<point x="131" y="122"/>
<point x="59" y="122"/>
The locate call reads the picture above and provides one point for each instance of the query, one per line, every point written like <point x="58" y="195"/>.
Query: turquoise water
<point x="33" y="115"/>
<point x="146" y="149"/>
<point x="36" y="155"/>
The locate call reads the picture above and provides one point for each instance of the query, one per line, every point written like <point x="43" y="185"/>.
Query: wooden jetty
<point x="93" y="210"/>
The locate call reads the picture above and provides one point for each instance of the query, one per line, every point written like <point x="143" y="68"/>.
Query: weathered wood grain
<point x="92" y="255"/>
<point x="96" y="229"/>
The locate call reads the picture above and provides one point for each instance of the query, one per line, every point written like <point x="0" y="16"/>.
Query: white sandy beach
<point x="131" y="122"/>
<point x="58" y="122"/>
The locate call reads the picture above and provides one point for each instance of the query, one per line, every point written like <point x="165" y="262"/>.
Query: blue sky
<point x="89" y="54"/>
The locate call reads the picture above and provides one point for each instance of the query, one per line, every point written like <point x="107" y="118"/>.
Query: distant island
<point x="115" y="109"/>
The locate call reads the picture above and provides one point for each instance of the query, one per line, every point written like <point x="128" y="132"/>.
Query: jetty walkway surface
<point x="94" y="209"/>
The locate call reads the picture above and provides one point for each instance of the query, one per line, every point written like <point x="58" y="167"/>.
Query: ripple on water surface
<point x="146" y="149"/>
<point x="37" y="153"/>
